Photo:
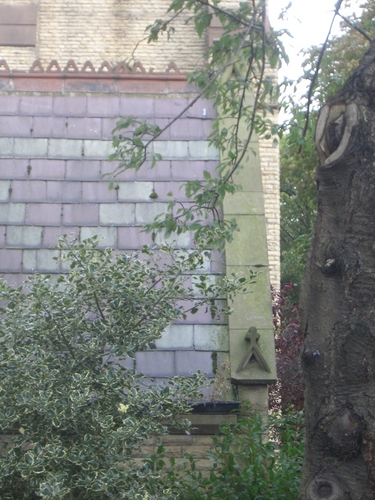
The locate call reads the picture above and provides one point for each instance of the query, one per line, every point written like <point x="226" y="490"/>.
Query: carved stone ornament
<point x="252" y="337"/>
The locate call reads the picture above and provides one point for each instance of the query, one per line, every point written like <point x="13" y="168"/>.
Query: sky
<point x="308" y="21"/>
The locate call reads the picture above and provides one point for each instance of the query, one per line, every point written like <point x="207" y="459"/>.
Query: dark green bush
<point x="250" y="461"/>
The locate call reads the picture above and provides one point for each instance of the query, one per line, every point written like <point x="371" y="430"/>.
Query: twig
<point x="168" y="21"/>
<point x="355" y="27"/>
<point x="315" y="76"/>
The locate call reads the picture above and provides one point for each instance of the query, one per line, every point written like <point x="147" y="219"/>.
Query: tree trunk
<point x="338" y="300"/>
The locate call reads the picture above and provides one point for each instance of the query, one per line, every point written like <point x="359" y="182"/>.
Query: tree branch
<point x="355" y="27"/>
<point x="316" y="72"/>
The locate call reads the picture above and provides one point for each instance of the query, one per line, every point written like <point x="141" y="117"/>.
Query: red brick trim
<point x="107" y="79"/>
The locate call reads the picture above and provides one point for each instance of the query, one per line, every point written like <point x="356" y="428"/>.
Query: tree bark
<point x="338" y="300"/>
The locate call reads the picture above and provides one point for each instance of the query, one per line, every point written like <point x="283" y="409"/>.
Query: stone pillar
<point x="252" y="352"/>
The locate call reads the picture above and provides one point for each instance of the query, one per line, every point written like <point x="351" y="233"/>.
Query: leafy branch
<point x="236" y="67"/>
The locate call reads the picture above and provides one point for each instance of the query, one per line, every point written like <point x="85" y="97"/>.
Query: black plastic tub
<point x="215" y="407"/>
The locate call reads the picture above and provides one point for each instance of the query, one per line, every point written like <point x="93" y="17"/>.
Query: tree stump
<point x="338" y="300"/>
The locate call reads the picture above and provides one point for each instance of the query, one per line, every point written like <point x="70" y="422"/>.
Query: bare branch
<point x="316" y="72"/>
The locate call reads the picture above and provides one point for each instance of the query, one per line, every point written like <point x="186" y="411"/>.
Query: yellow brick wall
<point x="99" y="30"/>
<point x="269" y="162"/>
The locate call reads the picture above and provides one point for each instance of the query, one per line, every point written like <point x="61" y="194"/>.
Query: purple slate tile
<point x="217" y="262"/>
<point x="49" y="126"/>
<point x="98" y="192"/>
<point x="51" y="235"/>
<point x="141" y="107"/>
<point x="132" y="238"/>
<point x="10" y="260"/>
<point x="2" y="236"/>
<point x="81" y="214"/>
<point x="36" y="105"/>
<point x="13" y="168"/>
<point x="28" y="191"/>
<point x="64" y="191"/>
<point x="103" y="106"/>
<point x="108" y="167"/>
<point x="191" y="170"/>
<point x="83" y="128"/>
<point x="70" y="106"/>
<point x="43" y="214"/>
<point x="85" y="170"/>
<point x="160" y="172"/>
<point x="15" y="126"/>
<point x="202" y="109"/>
<point x="155" y="363"/>
<point x="202" y="317"/>
<point x="189" y="129"/>
<point x="188" y="362"/>
<point x="187" y="170"/>
<point x="108" y="124"/>
<point x="162" y="189"/>
<point x="46" y="169"/>
<point x="169" y="107"/>
<point x="9" y="104"/>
